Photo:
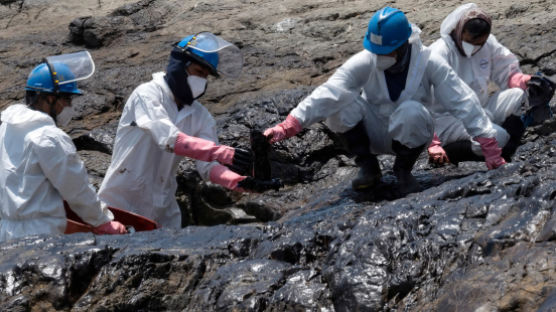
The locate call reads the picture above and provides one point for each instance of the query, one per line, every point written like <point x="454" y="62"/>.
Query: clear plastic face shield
<point x="70" y="67"/>
<point x="229" y="58"/>
<point x="65" y="71"/>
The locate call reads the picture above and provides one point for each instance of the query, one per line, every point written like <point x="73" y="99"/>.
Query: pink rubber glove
<point x="285" y="129"/>
<point x="112" y="227"/>
<point x="202" y="149"/>
<point x="222" y="175"/>
<point x="491" y="151"/>
<point x="519" y="80"/>
<point x="437" y="155"/>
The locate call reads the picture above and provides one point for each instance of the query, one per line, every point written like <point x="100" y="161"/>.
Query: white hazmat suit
<point x="142" y="175"/>
<point x="40" y="169"/>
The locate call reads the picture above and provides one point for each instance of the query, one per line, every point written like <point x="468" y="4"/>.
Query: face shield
<point x="217" y="53"/>
<point x="67" y="69"/>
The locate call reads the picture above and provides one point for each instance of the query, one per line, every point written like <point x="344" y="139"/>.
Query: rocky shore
<point x="473" y="240"/>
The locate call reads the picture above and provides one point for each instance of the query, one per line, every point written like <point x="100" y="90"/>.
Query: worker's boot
<point x="515" y="128"/>
<point x="357" y="143"/>
<point x="369" y="172"/>
<point x="405" y="160"/>
<point x="459" y="151"/>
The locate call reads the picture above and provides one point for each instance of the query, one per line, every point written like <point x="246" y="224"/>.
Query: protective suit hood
<point x="451" y="28"/>
<point x="452" y="20"/>
<point x="20" y="114"/>
<point x="176" y="77"/>
<point x="415" y="34"/>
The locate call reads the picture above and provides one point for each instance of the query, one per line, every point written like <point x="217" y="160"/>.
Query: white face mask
<point x="384" y="62"/>
<point x="65" y="116"/>
<point x="197" y="85"/>
<point x="469" y="48"/>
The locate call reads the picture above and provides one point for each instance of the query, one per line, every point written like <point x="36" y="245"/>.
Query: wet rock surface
<point x="473" y="240"/>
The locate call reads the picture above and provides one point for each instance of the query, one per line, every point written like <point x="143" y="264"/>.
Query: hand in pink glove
<point x="237" y="159"/>
<point x="112" y="227"/>
<point x="285" y="129"/>
<point x="437" y="155"/>
<point x="519" y="80"/>
<point x="492" y="152"/>
<point x="221" y="175"/>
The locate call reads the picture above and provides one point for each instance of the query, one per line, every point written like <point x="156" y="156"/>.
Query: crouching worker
<point x="377" y="102"/>
<point x="476" y="56"/>
<point x="40" y="167"/>
<point x="162" y="122"/>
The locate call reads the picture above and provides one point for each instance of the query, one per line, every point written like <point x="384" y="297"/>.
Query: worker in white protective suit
<point x="40" y="167"/>
<point x="377" y="102"/>
<point x="162" y="122"/>
<point x="476" y="56"/>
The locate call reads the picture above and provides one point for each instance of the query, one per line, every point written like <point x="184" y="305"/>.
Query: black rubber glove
<point x="242" y="163"/>
<point x="540" y="89"/>
<point x="259" y="186"/>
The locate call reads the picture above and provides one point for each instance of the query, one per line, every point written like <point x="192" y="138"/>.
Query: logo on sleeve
<point x="483" y="63"/>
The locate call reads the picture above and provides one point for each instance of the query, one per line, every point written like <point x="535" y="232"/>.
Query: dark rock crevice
<point x="9" y="2"/>
<point x="132" y="8"/>
<point x="83" y="271"/>
<point x="19" y="10"/>
<point x="537" y="60"/>
<point x="95" y="32"/>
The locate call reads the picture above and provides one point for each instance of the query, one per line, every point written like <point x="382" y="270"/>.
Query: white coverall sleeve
<point x="458" y="98"/>
<point x="65" y="170"/>
<point x="341" y="89"/>
<point x="208" y="132"/>
<point x="504" y="63"/>
<point x="151" y="116"/>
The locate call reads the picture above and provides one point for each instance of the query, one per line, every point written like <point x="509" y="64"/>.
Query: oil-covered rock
<point x="472" y="240"/>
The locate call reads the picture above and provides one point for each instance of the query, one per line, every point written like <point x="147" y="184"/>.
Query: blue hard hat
<point x="41" y="79"/>
<point x="199" y="50"/>
<point x="388" y="29"/>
